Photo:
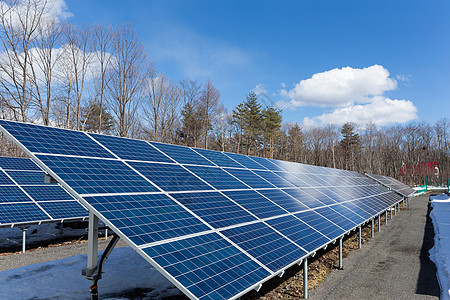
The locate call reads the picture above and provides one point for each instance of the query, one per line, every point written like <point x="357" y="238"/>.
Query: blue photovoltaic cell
<point x="267" y="163"/>
<point x="4" y="180"/>
<point x="393" y="184"/>
<point x="359" y="208"/>
<point x="208" y="266"/>
<point x="336" y="218"/>
<point x="44" y="139"/>
<point x="219" y="158"/>
<point x="250" y="178"/>
<point x="362" y="203"/>
<point x="266" y="245"/>
<point x="18" y="163"/>
<point x="319" y="179"/>
<point x="12" y="194"/>
<point x="299" y="232"/>
<point x="89" y="176"/>
<point x="304" y="197"/>
<point x="47" y="193"/>
<point x="216" y="209"/>
<point x="64" y="209"/>
<point x="319" y="196"/>
<point x="217" y="177"/>
<point x="131" y="149"/>
<point x="147" y="218"/>
<point x="170" y="177"/>
<point x="273" y="179"/>
<point x="182" y="155"/>
<point x="349" y="214"/>
<point x="305" y="179"/>
<point x="292" y="179"/>
<point x="27" y="177"/>
<point x="256" y="203"/>
<point x="320" y="223"/>
<point x="18" y="212"/>
<point x="245" y="161"/>
<point x="335" y="194"/>
<point x="284" y="200"/>
<point x="373" y="204"/>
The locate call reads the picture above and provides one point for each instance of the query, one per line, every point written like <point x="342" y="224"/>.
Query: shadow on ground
<point x="427" y="283"/>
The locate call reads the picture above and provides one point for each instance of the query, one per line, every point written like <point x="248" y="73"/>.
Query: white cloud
<point x="406" y="78"/>
<point x="260" y="89"/>
<point x="381" y="111"/>
<point x="52" y="11"/>
<point x="339" y="87"/>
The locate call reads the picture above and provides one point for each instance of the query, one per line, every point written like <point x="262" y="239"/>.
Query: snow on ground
<point x="440" y="253"/>
<point x="124" y="271"/>
<point x="12" y="237"/>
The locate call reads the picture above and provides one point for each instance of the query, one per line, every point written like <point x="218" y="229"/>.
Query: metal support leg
<point x="106" y="233"/>
<point x="379" y="223"/>
<point x="92" y="245"/>
<point x="340" y="254"/>
<point x="24" y="238"/>
<point x="305" y="277"/>
<point x="359" y="244"/>
<point x="385" y="217"/>
<point x="391" y="212"/>
<point x="372" y="227"/>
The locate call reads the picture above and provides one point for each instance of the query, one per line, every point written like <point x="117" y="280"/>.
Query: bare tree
<point x="44" y="58"/>
<point x="209" y="105"/>
<point x="79" y="56"/>
<point x="161" y="106"/>
<point x="20" y="21"/>
<point x="127" y="76"/>
<point x="101" y="43"/>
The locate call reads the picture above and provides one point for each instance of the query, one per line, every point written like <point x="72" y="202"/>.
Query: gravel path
<point x="18" y="260"/>
<point x="393" y="265"/>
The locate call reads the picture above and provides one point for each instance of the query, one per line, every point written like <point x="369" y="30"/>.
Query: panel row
<point x="216" y="224"/>
<point x="25" y="198"/>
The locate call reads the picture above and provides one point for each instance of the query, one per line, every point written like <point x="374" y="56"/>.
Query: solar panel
<point x="215" y="208"/>
<point x="215" y="224"/>
<point x="25" y="198"/>
<point x="393" y="184"/>
<point x="266" y="245"/>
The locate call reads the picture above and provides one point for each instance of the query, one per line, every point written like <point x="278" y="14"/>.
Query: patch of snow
<point x="12" y="237"/>
<point x="124" y="271"/>
<point x="440" y="253"/>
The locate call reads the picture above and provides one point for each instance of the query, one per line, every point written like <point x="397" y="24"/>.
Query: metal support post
<point x="106" y="233"/>
<point x="391" y="212"/>
<point x="24" y="237"/>
<point x="359" y="228"/>
<point x="92" y="246"/>
<point x="340" y="254"/>
<point x="379" y="223"/>
<point x="373" y="229"/>
<point x="385" y="217"/>
<point x="305" y="277"/>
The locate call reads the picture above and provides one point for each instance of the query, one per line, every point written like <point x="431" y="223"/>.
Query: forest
<point x="99" y="78"/>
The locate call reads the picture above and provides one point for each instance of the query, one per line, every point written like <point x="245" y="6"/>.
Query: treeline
<point x="99" y="78"/>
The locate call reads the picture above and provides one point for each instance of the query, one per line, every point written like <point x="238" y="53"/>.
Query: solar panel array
<point x="215" y="224"/>
<point x="25" y="198"/>
<point x="393" y="184"/>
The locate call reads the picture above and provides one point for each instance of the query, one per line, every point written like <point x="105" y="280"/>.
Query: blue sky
<point x="384" y="61"/>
